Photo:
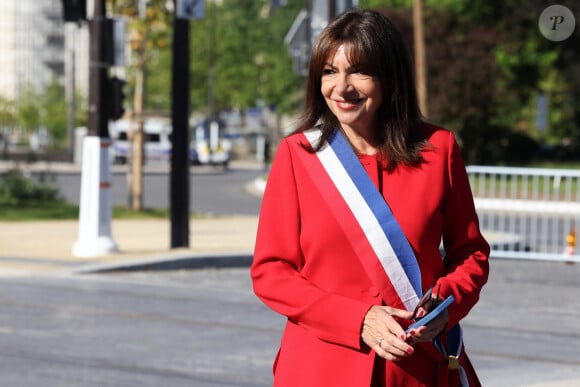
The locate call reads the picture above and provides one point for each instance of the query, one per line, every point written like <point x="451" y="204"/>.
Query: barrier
<point x="528" y="213"/>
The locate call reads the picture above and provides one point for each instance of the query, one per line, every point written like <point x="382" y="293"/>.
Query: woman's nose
<point x="343" y="84"/>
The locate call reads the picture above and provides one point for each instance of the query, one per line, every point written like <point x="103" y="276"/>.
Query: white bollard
<point x="95" y="212"/>
<point x="260" y="148"/>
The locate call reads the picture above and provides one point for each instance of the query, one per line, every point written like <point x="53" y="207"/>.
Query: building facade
<point x="34" y="49"/>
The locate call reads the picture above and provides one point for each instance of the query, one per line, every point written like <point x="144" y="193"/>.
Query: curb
<point x="183" y="262"/>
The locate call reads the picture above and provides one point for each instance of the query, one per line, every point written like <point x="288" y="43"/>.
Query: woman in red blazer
<point x="344" y="328"/>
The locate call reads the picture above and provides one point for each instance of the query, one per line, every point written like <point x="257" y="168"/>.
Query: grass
<point x="538" y="187"/>
<point x="556" y="165"/>
<point x="22" y="199"/>
<point x="63" y="211"/>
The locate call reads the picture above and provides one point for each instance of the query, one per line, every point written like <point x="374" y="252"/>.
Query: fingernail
<point x="413" y="332"/>
<point x="410" y="350"/>
<point x="403" y="337"/>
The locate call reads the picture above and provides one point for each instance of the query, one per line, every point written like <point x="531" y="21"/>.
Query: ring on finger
<point x="380" y="341"/>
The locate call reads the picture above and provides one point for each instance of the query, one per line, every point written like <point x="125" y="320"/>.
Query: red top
<point x="305" y="269"/>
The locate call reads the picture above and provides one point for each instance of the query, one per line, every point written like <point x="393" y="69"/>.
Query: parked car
<point x="211" y="145"/>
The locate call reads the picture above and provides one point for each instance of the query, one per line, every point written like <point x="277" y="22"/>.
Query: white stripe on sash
<point x="367" y="219"/>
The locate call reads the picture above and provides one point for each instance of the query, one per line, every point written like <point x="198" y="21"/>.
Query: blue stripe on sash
<point x="379" y="207"/>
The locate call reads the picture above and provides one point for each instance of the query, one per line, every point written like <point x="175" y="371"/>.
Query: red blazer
<point x="305" y="269"/>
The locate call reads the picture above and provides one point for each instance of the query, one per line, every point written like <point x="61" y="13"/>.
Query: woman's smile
<point x="352" y="95"/>
<point x="348" y="104"/>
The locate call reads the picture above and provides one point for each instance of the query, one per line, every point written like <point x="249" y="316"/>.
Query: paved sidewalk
<point x="46" y="246"/>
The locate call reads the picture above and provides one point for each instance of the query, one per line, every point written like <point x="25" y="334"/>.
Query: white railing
<point x="528" y="213"/>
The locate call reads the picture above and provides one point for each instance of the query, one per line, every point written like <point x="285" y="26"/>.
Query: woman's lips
<point x="348" y="105"/>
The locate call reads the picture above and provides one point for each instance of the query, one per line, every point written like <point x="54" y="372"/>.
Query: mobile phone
<point x="431" y="314"/>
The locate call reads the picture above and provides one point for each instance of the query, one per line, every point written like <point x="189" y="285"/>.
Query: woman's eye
<point x="362" y="74"/>
<point x="327" y="71"/>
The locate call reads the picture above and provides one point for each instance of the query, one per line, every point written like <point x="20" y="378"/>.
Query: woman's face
<point x="353" y="96"/>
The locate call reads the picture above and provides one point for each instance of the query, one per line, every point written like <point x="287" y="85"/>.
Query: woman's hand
<point x="384" y="334"/>
<point x="430" y="331"/>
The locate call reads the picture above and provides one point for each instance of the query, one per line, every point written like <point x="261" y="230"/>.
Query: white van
<point x="156" y="141"/>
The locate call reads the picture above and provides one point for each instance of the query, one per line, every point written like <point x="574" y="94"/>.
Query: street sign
<point x="190" y="9"/>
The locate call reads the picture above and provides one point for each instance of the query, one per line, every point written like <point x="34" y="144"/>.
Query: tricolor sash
<point x="373" y="220"/>
<point x="371" y="228"/>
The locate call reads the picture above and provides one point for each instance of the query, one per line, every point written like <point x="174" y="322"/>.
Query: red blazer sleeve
<point x="466" y="262"/>
<point x="278" y="261"/>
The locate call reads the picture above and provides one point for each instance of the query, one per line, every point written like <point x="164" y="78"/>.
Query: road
<point x="212" y="189"/>
<point x="205" y="328"/>
<point x="193" y="328"/>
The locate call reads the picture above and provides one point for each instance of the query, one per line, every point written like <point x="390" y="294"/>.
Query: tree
<point x="149" y="34"/>
<point x="7" y="113"/>
<point x="488" y="64"/>
<point x="532" y="65"/>
<point x="280" y="86"/>
<point x="251" y="63"/>
<point x="53" y="114"/>
<point x="461" y="93"/>
<point x="28" y="109"/>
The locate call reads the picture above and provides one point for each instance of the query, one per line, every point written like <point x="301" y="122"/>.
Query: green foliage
<point x="487" y="64"/>
<point x="24" y="199"/>
<point x="54" y="114"/>
<point x="38" y="211"/>
<point x="382" y="3"/>
<point x="17" y="190"/>
<point x="158" y="83"/>
<point x="149" y="36"/>
<point x="147" y="213"/>
<point x="28" y="110"/>
<point x="456" y="5"/>
<point x="251" y="64"/>
<point x="33" y="110"/>
<point x="238" y="44"/>
<point x="279" y="85"/>
<point x="62" y="210"/>
<point x="7" y="113"/>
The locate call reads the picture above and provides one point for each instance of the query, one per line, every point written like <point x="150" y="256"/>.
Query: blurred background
<point x="503" y="75"/>
<point x="509" y="93"/>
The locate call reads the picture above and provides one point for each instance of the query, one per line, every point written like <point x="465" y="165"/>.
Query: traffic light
<point x="74" y="10"/>
<point x="116" y="98"/>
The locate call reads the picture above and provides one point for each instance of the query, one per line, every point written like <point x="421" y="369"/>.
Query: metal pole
<point x="98" y="73"/>
<point x="211" y="66"/>
<point x="180" y="97"/>
<point x="420" y="57"/>
<point x="331" y="10"/>
<point x="71" y="86"/>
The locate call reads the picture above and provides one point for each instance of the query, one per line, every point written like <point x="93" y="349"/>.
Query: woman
<point x="357" y="203"/>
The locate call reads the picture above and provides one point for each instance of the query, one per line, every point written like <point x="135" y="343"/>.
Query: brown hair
<point x="375" y="46"/>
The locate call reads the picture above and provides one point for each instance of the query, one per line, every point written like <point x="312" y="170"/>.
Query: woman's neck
<point x="362" y="143"/>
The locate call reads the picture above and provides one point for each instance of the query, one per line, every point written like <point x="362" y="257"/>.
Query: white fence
<point x="528" y="213"/>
